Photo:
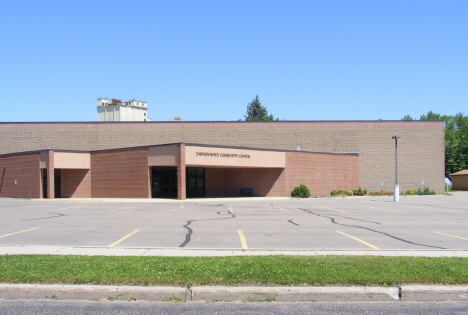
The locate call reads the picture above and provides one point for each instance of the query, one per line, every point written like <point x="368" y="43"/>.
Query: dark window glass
<point x="195" y="182"/>
<point x="164" y="182"/>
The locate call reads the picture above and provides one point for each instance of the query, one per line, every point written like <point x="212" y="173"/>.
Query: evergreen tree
<point x="257" y="112"/>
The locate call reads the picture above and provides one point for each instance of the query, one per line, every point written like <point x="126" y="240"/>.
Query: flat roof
<point x="219" y="121"/>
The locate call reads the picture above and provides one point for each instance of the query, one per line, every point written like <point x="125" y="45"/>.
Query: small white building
<point x="109" y="109"/>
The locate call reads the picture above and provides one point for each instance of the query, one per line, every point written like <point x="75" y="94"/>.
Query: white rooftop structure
<point x="110" y="109"/>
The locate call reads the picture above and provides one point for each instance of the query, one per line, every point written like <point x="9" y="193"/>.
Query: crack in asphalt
<point x="55" y="216"/>
<point x="190" y="231"/>
<point x="291" y="221"/>
<point x="369" y="229"/>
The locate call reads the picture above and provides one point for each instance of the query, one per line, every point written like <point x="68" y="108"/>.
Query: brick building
<point x="330" y="150"/>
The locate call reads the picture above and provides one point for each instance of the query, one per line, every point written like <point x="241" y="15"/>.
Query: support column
<point x="50" y="175"/>
<point x="181" y="184"/>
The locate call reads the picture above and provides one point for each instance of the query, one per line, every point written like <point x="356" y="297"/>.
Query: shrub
<point x="300" y="192"/>
<point x="359" y="192"/>
<point x="334" y="193"/>
<point x="381" y="193"/>
<point x="349" y="192"/>
<point x="426" y="191"/>
<point x="409" y="192"/>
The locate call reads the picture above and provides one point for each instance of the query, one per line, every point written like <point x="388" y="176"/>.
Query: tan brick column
<point x="50" y="175"/>
<point x="181" y="185"/>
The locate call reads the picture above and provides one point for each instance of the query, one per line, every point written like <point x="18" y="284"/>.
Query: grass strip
<point x="233" y="271"/>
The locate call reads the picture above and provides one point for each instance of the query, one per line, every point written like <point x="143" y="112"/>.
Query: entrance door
<point x="195" y="182"/>
<point x="57" y="184"/>
<point x="44" y="183"/>
<point x="164" y="182"/>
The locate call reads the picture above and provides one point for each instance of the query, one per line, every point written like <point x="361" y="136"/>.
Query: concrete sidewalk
<point x="233" y="294"/>
<point x="198" y="252"/>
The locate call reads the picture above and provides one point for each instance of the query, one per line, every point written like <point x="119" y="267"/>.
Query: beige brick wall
<point x="321" y="173"/>
<point x="421" y="147"/>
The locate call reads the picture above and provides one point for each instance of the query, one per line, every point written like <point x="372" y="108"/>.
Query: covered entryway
<point x="65" y="174"/>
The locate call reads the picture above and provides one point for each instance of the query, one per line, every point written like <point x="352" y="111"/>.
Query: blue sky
<point x="205" y="60"/>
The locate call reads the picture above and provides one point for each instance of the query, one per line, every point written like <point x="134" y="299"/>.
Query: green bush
<point x="300" y="192"/>
<point x="354" y="192"/>
<point x="359" y="192"/>
<point x="381" y="193"/>
<point x="340" y="193"/>
<point x="426" y="191"/>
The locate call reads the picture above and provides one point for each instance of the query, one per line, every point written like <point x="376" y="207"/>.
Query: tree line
<point x="456" y="139"/>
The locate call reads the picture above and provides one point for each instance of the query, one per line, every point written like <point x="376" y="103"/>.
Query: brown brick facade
<point x="421" y="147"/>
<point x="50" y="175"/>
<point x="120" y="174"/>
<point x="181" y="188"/>
<point x="75" y="183"/>
<point x="24" y="169"/>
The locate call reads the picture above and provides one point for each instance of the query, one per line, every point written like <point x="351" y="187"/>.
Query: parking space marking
<point x="361" y="241"/>
<point x="242" y="239"/>
<point x="118" y="209"/>
<point x="17" y="232"/>
<point x="282" y="209"/>
<point x="230" y="210"/>
<point x="123" y="238"/>
<point x="388" y="210"/>
<point x="425" y="208"/>
<point x="177" y="208"/>
<point x="466" y="239"/>
<point x="335" y="209"/>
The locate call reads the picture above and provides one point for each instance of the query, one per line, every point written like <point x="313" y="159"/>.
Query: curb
<point x="232" y="294"/>
<point x="207" y="252"/>
<point x="160" y="200"/>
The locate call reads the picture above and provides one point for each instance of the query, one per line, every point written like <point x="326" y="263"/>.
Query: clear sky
<point x="205" y="60"/>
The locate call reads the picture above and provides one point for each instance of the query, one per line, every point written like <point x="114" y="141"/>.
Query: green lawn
<point x="245" y="270"/>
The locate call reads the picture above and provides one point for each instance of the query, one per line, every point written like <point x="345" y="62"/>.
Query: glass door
<point x="195" y="182"/>
<point x="164" y="182"/>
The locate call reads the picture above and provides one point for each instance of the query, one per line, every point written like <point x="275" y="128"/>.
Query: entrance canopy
<point x="208" y="156"/>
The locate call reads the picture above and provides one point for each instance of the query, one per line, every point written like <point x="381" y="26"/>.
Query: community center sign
<point x="223" y="155"/>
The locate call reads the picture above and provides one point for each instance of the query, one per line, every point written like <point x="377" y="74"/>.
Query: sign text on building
<point x="228" y="155"/>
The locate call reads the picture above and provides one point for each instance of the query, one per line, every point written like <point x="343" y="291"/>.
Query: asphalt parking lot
<point x="353" y="223"/>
